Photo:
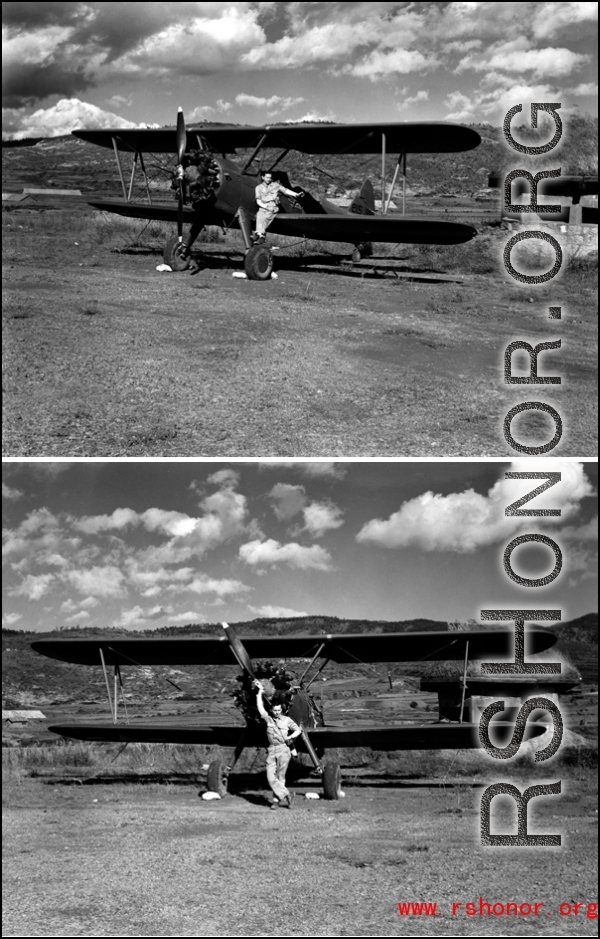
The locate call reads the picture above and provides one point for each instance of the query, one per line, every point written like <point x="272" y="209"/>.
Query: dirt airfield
<point x="104" y="356"/>
<point x="118" y="860"/>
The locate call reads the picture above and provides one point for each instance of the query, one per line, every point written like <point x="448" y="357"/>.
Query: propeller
<point x="181" y="145"/>
<point x="237" y="647"/>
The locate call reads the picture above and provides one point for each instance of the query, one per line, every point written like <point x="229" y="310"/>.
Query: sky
<point x="141" y="545"/>
<point x="114" y="64"/>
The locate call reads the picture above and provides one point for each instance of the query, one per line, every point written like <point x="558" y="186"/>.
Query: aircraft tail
<point x="364" y="202"/>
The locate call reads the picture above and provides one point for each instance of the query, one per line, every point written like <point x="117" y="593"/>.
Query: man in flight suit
<point x="281" y="731"/>
<point x="267" y="199"/>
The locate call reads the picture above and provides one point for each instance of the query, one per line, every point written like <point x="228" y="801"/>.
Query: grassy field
<point x="106" y="357"/>
<point x="154" y="860"/>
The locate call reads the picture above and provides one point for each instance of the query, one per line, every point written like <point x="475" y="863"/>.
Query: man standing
<point x="267" y="199"/>
<point x="281" y="731"/>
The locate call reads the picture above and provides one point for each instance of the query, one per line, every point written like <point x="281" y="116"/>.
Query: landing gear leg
<point x="177" y="253"/>
<point x="361" y="251"/>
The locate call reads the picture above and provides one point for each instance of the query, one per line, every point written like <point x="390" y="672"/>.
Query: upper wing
<point x="407" y="737"/>
<point x="413" y="137"/>
<point x="383" y="228"/>
<point x="346" y="648"/>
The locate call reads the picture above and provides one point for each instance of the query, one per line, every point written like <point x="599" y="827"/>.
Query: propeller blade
<point x="180" y="211"/>
<point x="181" y="145"/>
<point x="237" y="647"/>
<point x="181" y="136"/>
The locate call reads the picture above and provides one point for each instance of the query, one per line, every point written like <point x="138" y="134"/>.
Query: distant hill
<point x="66" y="162"/>
<point x="27" y="675"/>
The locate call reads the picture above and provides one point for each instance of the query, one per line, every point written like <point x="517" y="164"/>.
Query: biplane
<point x="316" y="736"/>
<point x="225" y="190"/>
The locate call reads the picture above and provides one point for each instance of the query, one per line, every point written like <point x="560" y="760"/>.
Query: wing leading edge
<point x="408" y="737"/>
<point x="341" y="648"/>
<point x="343" y="227"/>
<point x="409" y="137"/>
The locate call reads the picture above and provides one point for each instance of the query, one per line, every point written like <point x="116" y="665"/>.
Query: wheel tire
<point x="172" y="255"/>
<point x="332" y="780"/>
<point x="258" y="263"/>
<point x="216" y="780"/>
<point x="356" y="256"/>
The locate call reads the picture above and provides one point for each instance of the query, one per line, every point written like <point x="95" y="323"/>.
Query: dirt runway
<point x="104" y="356"/>
<point x="157" y="861"/>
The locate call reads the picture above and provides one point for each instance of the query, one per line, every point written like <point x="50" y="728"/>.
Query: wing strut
<point x="113" y="707"/>
<point x="311" y="663"/>
<point x="119" y="167"/>
<point x="464" y="683"/>
<point x="401" y="162"/>
<point x="254" y="152"/>
<point x="383" y="144"/>
<point x="131" y="178"/>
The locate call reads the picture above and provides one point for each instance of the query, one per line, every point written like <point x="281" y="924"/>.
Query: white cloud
<point x="320" y="517"/>
<point x="276" y="612"/>
<point x="323" y="43"/>
<point x="221" y="587"/>
<point x="77" y="617"/>
<point x="190" y="617"/>
<point x="414" y="99"/>
<point x="33" y="586"/>
<point x="307" y="468"/>
<point x="225" y="478"/>
<point x="270" y="552"/>
<point x="379" y="64"/>
<point x="119" y="519"/>
<point x="584" y="88"/>
<point x="517" y="56"/>
<point x="274" y="103"/>
<point x="52" y="469"/>
<point x="154" y="578"/>
<point x="202" y="46"/>
<point x="11" y="494"/>
<point x="9" y="619"/>
<point x="105" y="581"/>
<point x="552" y="18"/>
<point x="67" y="115"/>
<point x="118" y="101"/>
<point x="137" y="616"/>
<point x="464" y="521"/>
<point x="287" y="500"/>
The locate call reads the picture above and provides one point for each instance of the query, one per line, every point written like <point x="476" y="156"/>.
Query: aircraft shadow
<point x="250" y="786"/>
<point x="339" y="264"/>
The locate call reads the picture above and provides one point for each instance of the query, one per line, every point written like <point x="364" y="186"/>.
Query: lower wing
<point x="351" y="229"/>
<point x="357" y="229"/>
<point x="408" y="737"/>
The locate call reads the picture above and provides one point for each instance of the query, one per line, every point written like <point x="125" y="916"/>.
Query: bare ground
<point x="104" y="356"/>
<point x="157" y="861"/>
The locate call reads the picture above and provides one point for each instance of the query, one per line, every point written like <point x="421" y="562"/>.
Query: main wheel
<point x="216" y="780"/>
<point x="258" y="263"/>
<point x="332" y="780"/>
<point x="172" y="255"/>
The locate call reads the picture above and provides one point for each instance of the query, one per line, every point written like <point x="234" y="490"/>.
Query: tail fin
<point x="364" y="202"/>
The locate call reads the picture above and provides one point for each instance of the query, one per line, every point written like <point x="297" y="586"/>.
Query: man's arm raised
<point x="259" y="700"/>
